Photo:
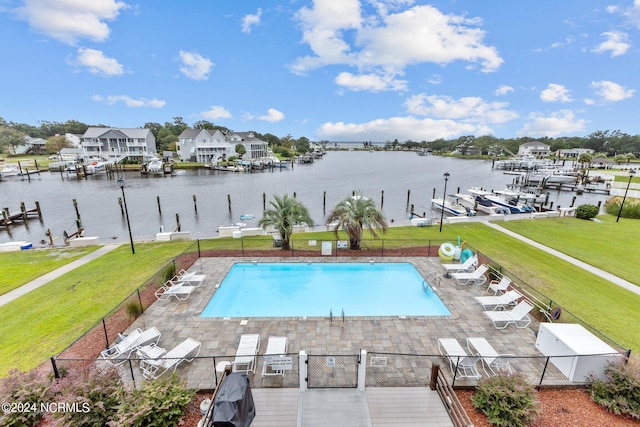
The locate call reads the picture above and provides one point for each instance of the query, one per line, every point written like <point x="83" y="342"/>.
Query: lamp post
<point x="126" y="213"/>
<point x="444" y="196"/>
<point x="632" y="172"/>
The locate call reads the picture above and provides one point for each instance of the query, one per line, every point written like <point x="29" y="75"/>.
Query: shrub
<point x="28" y="389"/>
<point x="168" y="272"/>
<point x="587" y="211"/>
<point x="507" y="400"/>
<point x="156" y="403"/>
<point x="631" y="208"/>
<point x="93" y="396"/>
<point x="133" y="309"/>
<point x="620" y="392"/>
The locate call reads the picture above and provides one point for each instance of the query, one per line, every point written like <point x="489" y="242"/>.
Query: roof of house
<point x="95" y="132"/>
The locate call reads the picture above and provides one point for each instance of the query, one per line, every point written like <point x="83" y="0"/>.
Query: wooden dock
<point x="25" y="214"/>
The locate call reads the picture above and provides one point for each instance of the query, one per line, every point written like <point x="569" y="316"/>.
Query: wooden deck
<point x="376" y="407"/>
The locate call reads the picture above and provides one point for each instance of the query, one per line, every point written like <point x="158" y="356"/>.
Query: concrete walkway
<point x="46" y="278"/>
<point x="594" y="270"/>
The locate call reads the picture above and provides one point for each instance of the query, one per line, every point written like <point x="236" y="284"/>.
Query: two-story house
<point x="535" y="149"/>
<point x="116" y="144"/>
<point x="212" y="146"/>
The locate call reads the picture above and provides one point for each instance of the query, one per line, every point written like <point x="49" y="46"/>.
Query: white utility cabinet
<point x="592" y="355"/>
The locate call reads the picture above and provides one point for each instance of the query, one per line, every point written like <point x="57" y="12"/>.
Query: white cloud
<point x="589" y="101"/>
<point x="97" y="63"/>
<point x="370" y="82"/>
<point x="555" y="93"/>
<point x="632" y="13"/>
<point x="130" y="102"/>
<point x="503" y="90"/>
<point x="562" y="122"/>
<point x="435" y="79"/>
<point x="610" y="91"/>
<point x="402" y="128"/>
<point x="339" y="34"/>
<point x="616" y="42"/>
<point x="195" y="66"/>
<point x="71" y="20"/>
<point x="249" y="21"/>
<point x="216" y="112"/>
<point x="272" y="116"/>
<point x="467" y="109"/>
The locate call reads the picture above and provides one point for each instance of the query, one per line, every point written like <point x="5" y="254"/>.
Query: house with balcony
<point x="212" y="146"/>
<point x="115" y="144"/>
<point x="535" y="149"/>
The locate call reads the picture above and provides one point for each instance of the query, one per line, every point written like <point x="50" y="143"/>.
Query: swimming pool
<point x="313" y="289"/>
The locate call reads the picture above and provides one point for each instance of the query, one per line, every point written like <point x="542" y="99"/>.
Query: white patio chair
<point x="468" y="266"/>
<point x="476" y="277"/>
<point x="246" y="353"/>
<point x="275" y="360"/>
<point x="499" y="301"/>
<point x="177" y="290"/>
<point x="491" y="359"/>
<point x="499" y="285"/>
<point x="461" y="364"/>
<point x="187" y="350"/>
<point x="122" y="348"/>
<point x="518" y="316"/>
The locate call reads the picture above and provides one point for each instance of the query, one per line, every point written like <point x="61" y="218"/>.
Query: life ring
<point x="447" y="251"/>
<point x="465" y="255"/>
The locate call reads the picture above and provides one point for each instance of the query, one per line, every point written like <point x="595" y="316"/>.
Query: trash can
<point x="233" y="405"/>
<point x="277" y="241"/>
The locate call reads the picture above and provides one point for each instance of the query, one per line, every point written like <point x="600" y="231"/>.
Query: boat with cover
<point x="480" y="204"/>
<point x="10" y="169"/>
<point x="514" y="201"/>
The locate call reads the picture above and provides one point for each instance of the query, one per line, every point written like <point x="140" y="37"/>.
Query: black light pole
<point x="126" y="213"/>
<point x="444" y="196"/>
<point x="632" y="172"/>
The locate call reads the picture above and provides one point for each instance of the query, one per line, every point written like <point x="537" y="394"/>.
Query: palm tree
<point x="355" y="213"/>
<point x="285" y="212"/>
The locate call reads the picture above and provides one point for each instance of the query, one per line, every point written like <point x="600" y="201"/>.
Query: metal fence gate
<point x="332" y="371"/>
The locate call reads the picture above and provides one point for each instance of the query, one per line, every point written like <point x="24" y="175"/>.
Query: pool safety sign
<point x="326" y="248"/>
<point x="341" y="244"/>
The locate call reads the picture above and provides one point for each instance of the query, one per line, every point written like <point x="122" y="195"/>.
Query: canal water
<point x="396" y="179"/>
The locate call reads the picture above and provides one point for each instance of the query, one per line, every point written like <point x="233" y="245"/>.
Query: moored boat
<point x="451" y="207"/>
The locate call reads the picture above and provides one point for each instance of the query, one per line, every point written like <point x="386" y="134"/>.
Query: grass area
<point x="586" y="241"/>
<point x="21" y="267"/>
<point x="48" y="319"/>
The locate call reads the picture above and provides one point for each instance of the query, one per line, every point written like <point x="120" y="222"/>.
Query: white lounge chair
<point x="476" y="277"/>
<point x="178" y="290"/>
<point x="276" y="361"/>
<point x="187" y="350"/>
<point x="499" y="301"/>
<point x="493" y="360"/>
<point x="468" y="266"/>
<point x="461" y="364"/>
<point x="518" y="315"/>
<point x="192" y="278"/>
<point x="122" y="348"/>
<point x="499" y="285"/>
<point x="246" y="353"/>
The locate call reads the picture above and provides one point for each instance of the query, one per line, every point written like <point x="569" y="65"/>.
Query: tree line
<point x="607" y="142"/>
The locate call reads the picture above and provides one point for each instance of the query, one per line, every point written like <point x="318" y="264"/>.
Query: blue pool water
<point x="313" y="289"/>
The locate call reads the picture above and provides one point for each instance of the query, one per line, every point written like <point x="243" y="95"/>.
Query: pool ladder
<point x="331" y="316"/>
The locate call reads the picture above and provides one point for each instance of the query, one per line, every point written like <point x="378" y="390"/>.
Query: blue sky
<point x="337" y="70"/>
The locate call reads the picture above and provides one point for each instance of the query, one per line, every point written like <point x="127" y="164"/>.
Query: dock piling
<point x="195" y="204"/>
<point x="159" y="208"/>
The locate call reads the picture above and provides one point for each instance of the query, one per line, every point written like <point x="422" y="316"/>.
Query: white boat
<point x="515" y="201"/>
<point x="452" y="208"/>
<point x="96" y="167"/>
<point x="10" y="169"/>
<point x="544" y="177"/>
<point x="480" y="204"/>
<point x="156" y="166"/>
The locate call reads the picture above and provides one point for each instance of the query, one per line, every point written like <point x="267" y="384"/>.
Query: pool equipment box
<point x="592" y="355"/>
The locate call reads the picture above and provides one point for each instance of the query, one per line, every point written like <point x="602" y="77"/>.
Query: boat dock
<point x="25" y="214"/>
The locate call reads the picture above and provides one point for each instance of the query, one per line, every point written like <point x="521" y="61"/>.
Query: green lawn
<point x="605" y="243"/>
<point x="21" y="267"/>
<point x="47" y="320"/>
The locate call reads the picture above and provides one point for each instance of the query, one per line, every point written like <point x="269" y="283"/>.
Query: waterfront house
<point x="534" y="148"/>
<point x="212" y="146"/>
<point x="117" y="144"/>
